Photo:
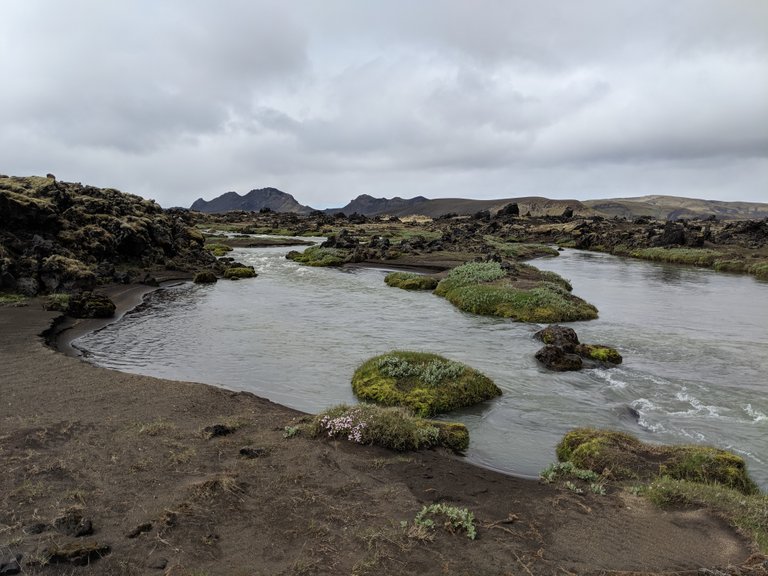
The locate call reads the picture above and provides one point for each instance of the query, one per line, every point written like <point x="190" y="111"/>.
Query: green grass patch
<point x="239" y="272"/>
<point x="411" y="281"/>
<point x="319" y="256"/>
<point x="392" y="427"/>
<point x="12" y="299"/>
<point x="729" y="265"/>
<point x="691" y="256"/>
<point x="520" y="250"/>
<point x="622" y="456"/>
<point x="426" y="383"/>
<point x="545" y="303"/>
<point x="749" y="513"/>
<point x="469" y="274"/>
<point x="759" y="269"/>
<point x="58" y="302"/>
<point x="451" y="518"/>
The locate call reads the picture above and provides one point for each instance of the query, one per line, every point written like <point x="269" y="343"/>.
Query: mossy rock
<point x="238" y="272"/>
<point x="411" y="281"/>
<point x="205" y="277"/>
<point x="426" y="383"/>
<point x="622" y="456"/>
<point x="90" y="305"/>
<point x="319" y="256"/>
<point x="218" y="249"/>
<point x="453" y="435"/>
<point x="599" y="353"/>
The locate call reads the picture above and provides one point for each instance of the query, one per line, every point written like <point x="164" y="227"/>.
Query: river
<point x="695" y="347"/>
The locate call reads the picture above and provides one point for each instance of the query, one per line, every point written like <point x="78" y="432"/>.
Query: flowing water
<point x="695" y="347"/>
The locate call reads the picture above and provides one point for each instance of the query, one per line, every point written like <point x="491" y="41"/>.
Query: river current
<point x="695" y="347"/>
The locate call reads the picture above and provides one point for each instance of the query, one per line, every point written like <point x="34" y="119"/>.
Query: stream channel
<point x="695" y="347"/>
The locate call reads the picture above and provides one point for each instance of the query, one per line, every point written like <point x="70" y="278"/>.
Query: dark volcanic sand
<point x="129" y="454"/>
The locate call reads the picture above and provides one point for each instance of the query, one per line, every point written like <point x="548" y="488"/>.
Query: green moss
<point x="205" y="277"/>
<point x="520" y="250"/>
<point x="410" y="281"/>
<point x="546" y="303"/>
<point x="759" y="269"/>
<point x="395" y="428"/>
<point x="469" y="274"/>
<point x="319" y="256"/>
<point x="57" y="302"/>
<point x="426" y="383"/>
<point x="218" y="249"/>
<point x="729" y="265"/>
<point x="748" y="513"/>
<point x="692" y="256"/>
<point x="599" y="353"/>
<point x="624" y="457"/>
<point x="12" y="299"/>
<point x="239" y="272"/>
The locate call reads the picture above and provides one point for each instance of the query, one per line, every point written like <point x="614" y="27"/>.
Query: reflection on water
<point x="694" y="344"/>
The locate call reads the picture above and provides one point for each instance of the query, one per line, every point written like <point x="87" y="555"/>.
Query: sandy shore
<point x="125" y="461"/>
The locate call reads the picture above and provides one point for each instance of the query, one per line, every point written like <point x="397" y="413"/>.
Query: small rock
<point x="557" y="359"/>
<point x="12" y="566"/>
<point x="248" y="452"/>
<point x="72" y="523"/>
<point x="78" y="553"/>
<point x="557" y="335"/>
<point x="217" y="430"/>
<point x="140" y="529"/>
<point x="36" y="528"/>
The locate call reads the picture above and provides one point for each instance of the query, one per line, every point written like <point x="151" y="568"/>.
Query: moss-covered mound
<point x="205" y="277"/>
<point x="391" y="427"/>
<point x="237" y="272"/>
<point x="623" y="456"/>
<point x="519" y="292"/>
<point x="411" y="281"/>
<point x="90" y="305"/>
<point x="426" y="383"/>
<point x="319" y="256"/>
<point x="599" y="353"/>
<point x="218" y="249"/>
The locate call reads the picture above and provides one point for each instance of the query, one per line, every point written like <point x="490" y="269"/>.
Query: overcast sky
<point x="180" y="99"/>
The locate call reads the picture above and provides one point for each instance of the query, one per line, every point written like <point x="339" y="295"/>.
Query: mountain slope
<point x="253" y="201"/>
<point x="674" y="207"/>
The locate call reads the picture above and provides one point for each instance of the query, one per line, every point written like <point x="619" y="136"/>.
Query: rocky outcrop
<point x="563" y="352"/>
<point x="65" y="237"/>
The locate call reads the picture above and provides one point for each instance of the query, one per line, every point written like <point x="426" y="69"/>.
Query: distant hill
<point x="674" y="207"/>
<point x="657" y="207"/>
<point x="421" y="206"/>
<point x="255" y="200"/>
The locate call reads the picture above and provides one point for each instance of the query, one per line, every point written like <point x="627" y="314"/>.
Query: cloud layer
<point x="328" y="100"/>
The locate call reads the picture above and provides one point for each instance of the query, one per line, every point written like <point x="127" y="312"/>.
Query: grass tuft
<point x="411" y="281"/>
<point x="319" y="256"/>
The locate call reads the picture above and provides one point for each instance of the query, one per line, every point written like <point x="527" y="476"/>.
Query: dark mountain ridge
<point x="255" y="200"/>
<point x="655" y="206"/>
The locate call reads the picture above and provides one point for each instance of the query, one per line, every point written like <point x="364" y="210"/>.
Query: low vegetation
<point x="395" y="428"/>
<point x="520" y="292"/>
<point x="239" y="272"/>
<point x="218" y="249"/>
<point x="319" y="256"/>
<point x="411" y="281"/>
<point x="621" y="456"/>
<point x="451" y="518"/>
<point x="12" y="299"/>
<point x="748" y="513"/>
<point x="691" y="256"/>
<point x="426" y="383"/>
<point x="520" y="250"/>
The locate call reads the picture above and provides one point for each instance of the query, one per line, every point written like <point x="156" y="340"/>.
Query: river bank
<point x="133" y="463"/>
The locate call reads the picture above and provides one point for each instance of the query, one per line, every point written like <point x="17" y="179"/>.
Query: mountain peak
<point x="255" y="200"/>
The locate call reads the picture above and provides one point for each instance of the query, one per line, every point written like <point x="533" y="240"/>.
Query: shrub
<point x="240" y="272"/>
<point x="623" y="456"/>
<point x="58" y="302"/>
<point x="391" y="427"/>
<point x="454" y="518"/>
<point x="319" y="256"/>
<point x="427" y="383"/>
<point x="411" y="281"/>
